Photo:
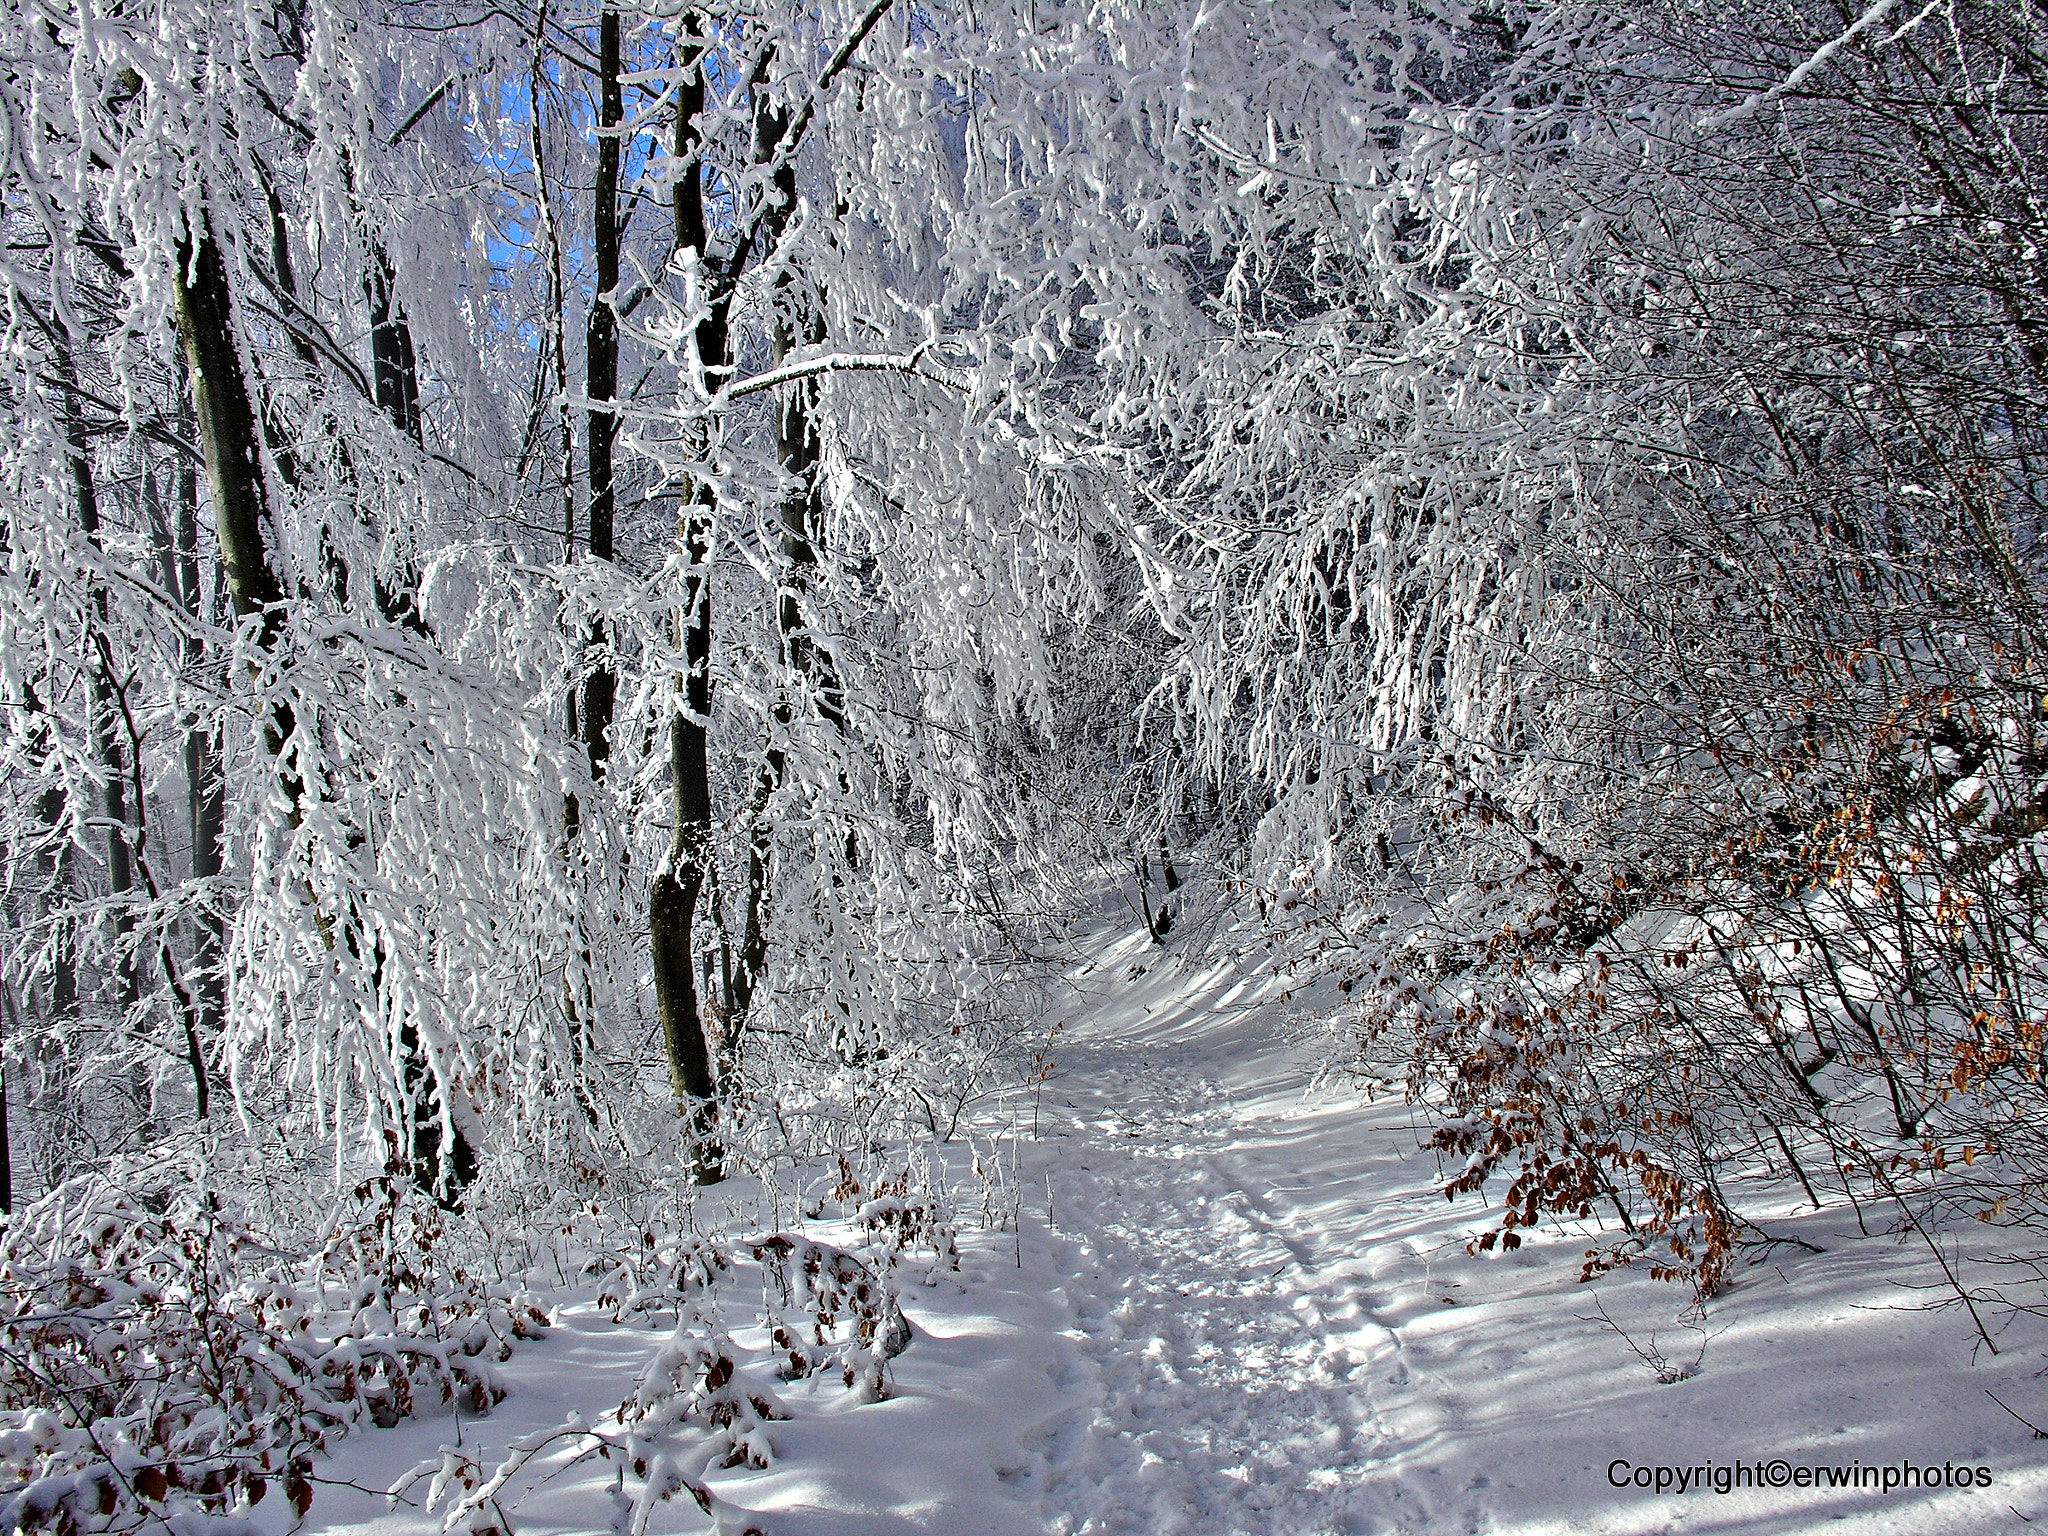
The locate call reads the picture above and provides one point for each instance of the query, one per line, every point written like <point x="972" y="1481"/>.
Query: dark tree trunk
<point x="1153" y="928"/>
<point x="752" y="962"/>
<point x="205" y="788"/>
<point x="226" y="422"/>
<point x="6" y="1141"/>
<point x="229" y="445"/>
<point x="395" y="378"/>
<point x="178" y="560"/>
<point x="672" y="902"/>
<point x="442" y="1165"/>
<point x="394" y="371"/>
<point x="601" y="370"/>
<point x="61" y="1000"/>
<point x="1163" y="922"/>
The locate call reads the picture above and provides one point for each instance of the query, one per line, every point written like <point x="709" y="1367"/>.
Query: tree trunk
<point x="396" y="382"/>
<point x="1153" y="930"/>
<point x="6" y="1141"/>
<point x="225" y="418"/>
<point x="178" y="563"/>
<point x="205" y="787"/>
<point x="229" y="445"/>
<point x="394" y="370"/>
<point x="1170" y="878"/>
<point x="601" y="371"/>
<point x="61" y="1000"/>
<point x="672" y="902"/>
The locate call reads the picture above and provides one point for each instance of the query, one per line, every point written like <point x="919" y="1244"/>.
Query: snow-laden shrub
<point x="813" y="1287"/>
<point x="692" y="1381"/>
<point x="696" y="1407"/>
<point x="406" y="1321"/>
<point x="169" y="1365"/>
<point x="832" y="1308"/>
<point x="666" y="1275"/>
<point x="898" y="1219"/>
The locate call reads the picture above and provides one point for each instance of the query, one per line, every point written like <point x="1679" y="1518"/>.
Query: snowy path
<point x="1276" y="1329"/>
<point x="1237" y="1308"/>
<point x="1246" y="1376"/>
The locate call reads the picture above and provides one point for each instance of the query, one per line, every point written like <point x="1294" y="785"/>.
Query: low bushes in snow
<point x="169" y="1365"/>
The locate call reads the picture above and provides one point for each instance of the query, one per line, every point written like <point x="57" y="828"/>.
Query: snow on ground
<point x="1233" y="1303"/>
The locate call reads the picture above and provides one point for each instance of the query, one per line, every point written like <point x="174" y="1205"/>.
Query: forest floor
<point x="1233" y="1301"/>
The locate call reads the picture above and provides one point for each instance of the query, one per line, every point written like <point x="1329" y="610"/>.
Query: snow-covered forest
<point x="1013" y="766"/>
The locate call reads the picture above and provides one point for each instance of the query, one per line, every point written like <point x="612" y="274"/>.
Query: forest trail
<point x="1273" y="1326"/>
<point x="1233" y="1304"/>
<point x="1250" y="1364"/>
